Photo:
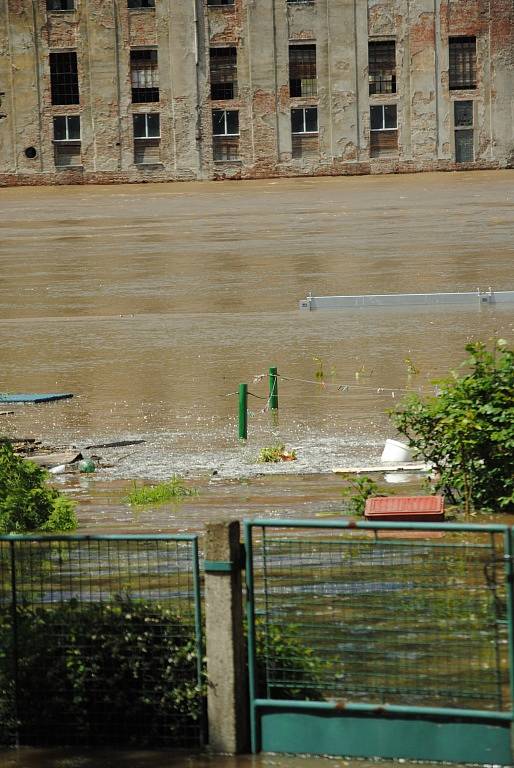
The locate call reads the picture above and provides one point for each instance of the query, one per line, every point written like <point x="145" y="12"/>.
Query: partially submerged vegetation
<point x="358" y="491"/>
<point x="27" y="502"/>
<point x="467" y="430"/>
<point x="272" y="454"/>
<point x="174" y="489"/>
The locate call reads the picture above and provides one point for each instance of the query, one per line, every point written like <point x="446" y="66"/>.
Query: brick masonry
<point x="103" y="32"/>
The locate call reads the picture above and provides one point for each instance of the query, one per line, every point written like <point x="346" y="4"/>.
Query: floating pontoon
<point x="477" y="297"/>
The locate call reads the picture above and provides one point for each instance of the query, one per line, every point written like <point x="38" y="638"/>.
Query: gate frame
<point x="387" y="731"/>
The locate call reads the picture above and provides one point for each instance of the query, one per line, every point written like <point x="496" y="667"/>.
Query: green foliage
<point x="27" y="503"/>
<point x="173" y="490"/>
<point x="282" y="657"/>
<point x="467" y="431"/>
<point x="360" y="488"/>
<point x="115" y="673"/>
<point x="275" y="453"/>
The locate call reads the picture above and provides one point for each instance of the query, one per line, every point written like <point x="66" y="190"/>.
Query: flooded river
<point x="151" y="303"/>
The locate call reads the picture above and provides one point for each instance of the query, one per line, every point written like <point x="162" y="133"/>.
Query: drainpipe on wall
<point x="38" y="83"/>
<point x="198" y="127"/>
<point x="118" y="79"/>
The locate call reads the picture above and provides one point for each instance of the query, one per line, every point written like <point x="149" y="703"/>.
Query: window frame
<point x="225" y="112"/>
<point x="230" y="67"/>
<point x="146" y="115"/>
<point x="373" y="44"/>
<point x="304" y="120"/>
<point x="61" y="10"/>
<point x="383" y="107"/>
<point x="138" y="92"/>
<point x="67" y="139"/>
<point x="295" y="69"/>
<point x="61" y="78"/>
<point x="454" y="75"/>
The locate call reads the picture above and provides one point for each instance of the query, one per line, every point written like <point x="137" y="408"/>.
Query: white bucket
<point x="396" y="451"/>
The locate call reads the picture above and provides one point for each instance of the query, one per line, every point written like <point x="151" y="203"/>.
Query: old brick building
<point x="133" y="90"/>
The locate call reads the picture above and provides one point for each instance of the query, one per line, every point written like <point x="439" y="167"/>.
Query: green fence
<point x="100" y="641"/>
<point x="397" y="639"/>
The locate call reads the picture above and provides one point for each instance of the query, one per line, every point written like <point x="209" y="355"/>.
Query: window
<point x="463" y="63"/>
<point x="144" y="76"/>
<point x="67" y="148"/>
<point x="302" y="70"/>
<point x="60" y="5"/>
<point x="140" y="4"/>
<point x="64" y="81"/>
<point x="304" y="120"/>
<point x="382" y="66"/>
<point x="223" y="71"/>
<point x="384" y="130"/>
<point x="220" y="2"/>
<point x="147" y="138"/>
<point x="464" y="139"/>
<point x="304" y="129"/>
<point x="225" y="134"/>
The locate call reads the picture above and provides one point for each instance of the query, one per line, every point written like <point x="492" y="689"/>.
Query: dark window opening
<point x="382" y="66"/>
<point x="463" y="63"/>
<point x="223" y="73"/>
<point x="384" y="130"/>
<point x="134" y="4"/>
<point x="220" y="2"/>
<point x="146" y="125"/>
<point x="464" y="136"/>
<point x="64" y="81"/>
<point x="225" y="122"/>
<point x="144" y="76"/>
<point x="304" y="120"/>
<point x="67" y="128"/>
<point x="67" y="147"/>
<point x="60" y="5"/>
<point x="302" y="70"/>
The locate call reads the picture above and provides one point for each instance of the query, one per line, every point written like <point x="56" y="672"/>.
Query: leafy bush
<point x="115" y="673"/>
<point x="283" y="659"/>
<point x="172" y="490"/>
<point x="467" y="431"/>
<point x="358" y="491"/>
<point x="27" y="503"/>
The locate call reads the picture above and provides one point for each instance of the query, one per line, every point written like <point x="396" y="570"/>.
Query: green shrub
<point x="114" y="673"/>
<point x="275" y="453"/>
<point x="283" y="658"/>
<point x="467" y="431"/>
<point x="172" y="490"/>
<point x="27" y="502"/>
<point x="360" y="488"/>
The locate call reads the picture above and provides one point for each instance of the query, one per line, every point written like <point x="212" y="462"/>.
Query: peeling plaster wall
<point x="103" y="32"/>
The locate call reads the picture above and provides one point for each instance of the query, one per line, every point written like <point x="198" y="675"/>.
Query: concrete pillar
<point x="227" y="699"/>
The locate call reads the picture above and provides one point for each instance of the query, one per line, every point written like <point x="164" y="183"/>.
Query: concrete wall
<point x="103" y="32"/>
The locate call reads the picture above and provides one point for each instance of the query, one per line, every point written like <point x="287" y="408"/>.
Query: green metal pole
<point x="243" y="411"/>
<point x="273" y="389"/>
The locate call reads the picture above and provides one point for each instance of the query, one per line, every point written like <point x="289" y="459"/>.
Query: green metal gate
<point x="100" y="641"/>
<point x="381" y="639"/>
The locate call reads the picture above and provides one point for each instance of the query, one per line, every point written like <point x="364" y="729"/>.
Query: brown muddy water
<point x="151" y="303"/>
<point x="35" y="758"/>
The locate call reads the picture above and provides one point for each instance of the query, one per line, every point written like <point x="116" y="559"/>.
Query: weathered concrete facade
<point x="335" y="136"/>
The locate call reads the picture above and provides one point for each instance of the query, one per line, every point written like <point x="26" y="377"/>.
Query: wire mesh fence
<point x="100" y="641"/>
<point x="382" y="617"/>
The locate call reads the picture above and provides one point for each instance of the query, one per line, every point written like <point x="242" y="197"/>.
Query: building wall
<point x="103" y="32"/>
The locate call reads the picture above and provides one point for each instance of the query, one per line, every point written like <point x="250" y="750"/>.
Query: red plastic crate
<point x="421" y="509"/>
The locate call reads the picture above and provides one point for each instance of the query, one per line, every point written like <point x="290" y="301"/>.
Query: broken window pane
<point x="144" y="75"/>
<point x="223" y="72"/>
<point x="382" y="66"/>
<point x="463" y="63"/>
<point x="225" y="122"/>
<point x="302" y="70"/>
<point x="64" y="83"/>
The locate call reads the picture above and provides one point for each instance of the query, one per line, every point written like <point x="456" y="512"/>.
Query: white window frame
<point x="382" y="107"/>
<point x="305" y="132"/>
<point x="146" y="137"/>
<point x="67" y="137"/>
<point x="225" y="111"/>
